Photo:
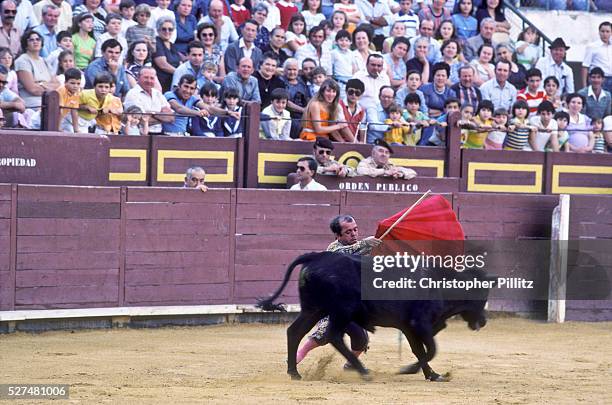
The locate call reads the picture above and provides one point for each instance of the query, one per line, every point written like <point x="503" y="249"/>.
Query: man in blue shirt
<point x="50" y="16"/>
<point x="109" y="62"/>
<point x="192" y="66"/>
<point x="242" y="80"/>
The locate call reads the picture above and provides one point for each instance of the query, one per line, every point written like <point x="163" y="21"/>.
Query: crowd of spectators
<point x="362" y="70"/>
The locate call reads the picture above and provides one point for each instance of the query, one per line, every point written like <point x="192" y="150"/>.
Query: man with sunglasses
<point x="352" y="112"/>
<point x="9" y="101"/>
<point x="10" y="36"/>
<point x="322" y="151"/>
<point x="306" y="170"/>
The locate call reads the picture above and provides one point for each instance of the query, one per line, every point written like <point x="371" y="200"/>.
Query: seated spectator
<point x="151" y="100"/>
<point x="527" y="50"/>
<point x="551" y="88"/>
<point x="226" y="31"/>
<point x="483" y="67"/>
<point x="162" y="11"/>
<point x="398" y="130"/>
<point x="378" y="16"/>
<point x="473" y="44"/>
<point x="6" y="60"/>
<point x="64" y="43"/>
<point x="185" y="26"/>
<point x="243" y="81"/>
<point x="275" y="119"/>
<point x="463" y="20"/>
<point x="438" y="91"/>
<point x="166" y="58"/>
<point x="378" y="165"/>
<point x="395" y="61"/>
<point x="98" y="14"/>
<point x="465" y="90"/>
<point x="438" y="138"/>
<point x="499" y="90"/>
<point x="494" y="9"/>
<point x="137" y="57"/>
<point x="435" y="12"/>
<point x="362" y="39"/>
<point x="192" y="65"/>
<point x="260" y="13"/>
<point x="420" y="62"/>
<point x="10" y="102"/>
<point x="306" y="171"/>
<point x="417" y="121"/>
<point x="182" y="100"/>
<point x="517" y="75"/>
<point x="108" y="120"/>
<point x="532" y="93"/>
<point x="314" y="50"/>
<point x="10" y="33"/>
<point x="519" y="129"/>
<point x="48" y="29"/>
<point x="298" y="95"/>
<point x="109" y="62"/>
<point x="373" y="79"/>
<point x="353" y="13"/>
<point x="135" y="122"/>
<point x="267" y="79"/>
<point x="546" y="127"/>
<point x="376" y="115"/>
<point x="352" y="112"/>
<point x="480" y="124"/>
<point x="296" y="34"/>
<point x="113" y="31"/>
<point x="398" y="30"/>
<point x="451" y="55"/>
<point x="141" y="31"/>
<point x="342" y="71"/>
<point x="321" y="112"/>
<point x="318" y="77"/>
<point x="322" y="153"/>
<point x="445" y="32"/>
<point x="91" y="102"/>
<point x="598" y="101"/>
<point x="426" y="36"/>
<point x="33" y="71"/>
<point x="232" y="125"/>
<point x="312" y="12"/>
<point x="413" y="82"/>
<point x="64" y="21"/>
<point x="598" y="135"/>
<point x="83" y="40"/>
<point x="195" y="177"/>
<point x="276" y="46"/>
<point x="554" y="65"/>
<point x="127" y="8"/>
<point x="581" y="139"/>
<point x="207" y="35"/>
<point x="208" y="125"/>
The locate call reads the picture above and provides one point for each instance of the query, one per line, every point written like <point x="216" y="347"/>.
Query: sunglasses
<point x="301" y="169"/>
<point x="3" y="82"/>
<point x="167" y="29"/>
<point x="207" y="34"/>
<point x="324" y="152"/>
<point x="353" y="92"/>
<point x="34" y="39"/>
<point x="10" y="12"/>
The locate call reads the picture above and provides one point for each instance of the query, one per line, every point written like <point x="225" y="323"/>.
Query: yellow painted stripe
<point x="140" y="154"/>
<point x="558" y="169"/>
<point x="505" y="167"/>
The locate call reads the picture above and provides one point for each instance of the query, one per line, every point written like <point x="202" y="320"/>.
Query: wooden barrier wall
<point x="75" y="247"/>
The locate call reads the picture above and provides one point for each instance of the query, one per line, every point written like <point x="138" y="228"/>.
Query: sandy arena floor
<point x="510" y="361"/>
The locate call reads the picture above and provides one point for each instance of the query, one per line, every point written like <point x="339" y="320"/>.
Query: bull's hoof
<point x="366" y="376"/>
<point x="294" y="375"/>
<point x="349" y="367"/>
<point x="435" y="377"/>
<point x="411" y="369"/>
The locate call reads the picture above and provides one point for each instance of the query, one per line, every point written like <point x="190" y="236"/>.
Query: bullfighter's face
<point x="349" y="233"/>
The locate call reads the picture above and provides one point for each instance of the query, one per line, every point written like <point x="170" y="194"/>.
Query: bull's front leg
<point x="418" y="346"/>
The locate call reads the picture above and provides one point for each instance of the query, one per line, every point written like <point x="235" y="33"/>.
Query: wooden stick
<point x="405" y="213"/>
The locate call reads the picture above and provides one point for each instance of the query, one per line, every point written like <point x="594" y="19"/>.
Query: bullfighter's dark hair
<point x="336" y="224"/>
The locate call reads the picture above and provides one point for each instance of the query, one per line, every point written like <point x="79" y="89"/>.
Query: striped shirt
<point x="519" y="137"/>
<point x="533" y="100"/>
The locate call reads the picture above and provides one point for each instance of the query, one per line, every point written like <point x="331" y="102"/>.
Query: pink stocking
<point x="303" y="351"/>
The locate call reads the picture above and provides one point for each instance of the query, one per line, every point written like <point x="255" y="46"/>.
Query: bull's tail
<point x="268" y="303"/>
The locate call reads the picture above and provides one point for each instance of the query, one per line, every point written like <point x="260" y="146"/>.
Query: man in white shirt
<point x="306" y="170"/>
<point x="150" y="100"/>
<point x="599" y="54"/>
<point x="554" y="65"/>
<point x="225" y="27"/>
<point x="315" y="49"/>
<point x="65" y="19"/>
<point x="499" y="90"/>
<point x="373" y="79"/>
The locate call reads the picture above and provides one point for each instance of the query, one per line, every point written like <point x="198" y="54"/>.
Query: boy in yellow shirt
<point x="108" y="120"/>
<point x="92" y="101"/>
<point x="69" y="94"/>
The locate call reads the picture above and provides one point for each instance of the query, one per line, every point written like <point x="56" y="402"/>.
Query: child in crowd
<point x="438" y="138"/>
<point x="532" y="94"/>
<point x="398" y="131"/>
<point x="416" y="118"/>
<point x="398" y="29"/>
<point x="352" y="12"/>
<point x="313" y="13"/>
<point x="482" y="123"/>
<point x="113" y="31"/>
<point x="527" y="51"/>
<point x="209" y="70"/>
<point x="232" y="127"/>
<point x="140" y="31"/>
<point x="83" y="40"/>
<point x="600" y="141"/>
<point x="66" y="61"/>
<point x="413" y="82"/>
<point x="463" y="20"/>
<point x="339" y="22"/>
<point x="559" y="142"/>
<point x="545" y="124"/>
<point x="341" y="70"/>
<point x="318" y="77"/>
<point x="127" y="9"/>
<point x="288" y="10"/>
<point x="278" y="124"/>
<point x="408" y="18"/>
<point x="69" y="96"/>
<point x="519" y="129"/>
<point x="495" y="138"/>
<point x="209" y="126"/>
<point x="239" y="12"/>
<point x="467" y="121"/>
<point x="92" y="100"/>
<point x="296" y="34"/>
<point x="64" y="43"/>
<point x="134" y="122"/>
<point x="108" y="120"/>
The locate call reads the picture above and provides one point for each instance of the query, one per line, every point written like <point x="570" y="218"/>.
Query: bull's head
<point x="474" y="312"/>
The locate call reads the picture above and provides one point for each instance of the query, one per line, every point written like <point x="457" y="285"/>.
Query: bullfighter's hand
<point x="372" y="241"/>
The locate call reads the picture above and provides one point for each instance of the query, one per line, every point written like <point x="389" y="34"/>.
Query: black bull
<point x="330" y="284"/>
